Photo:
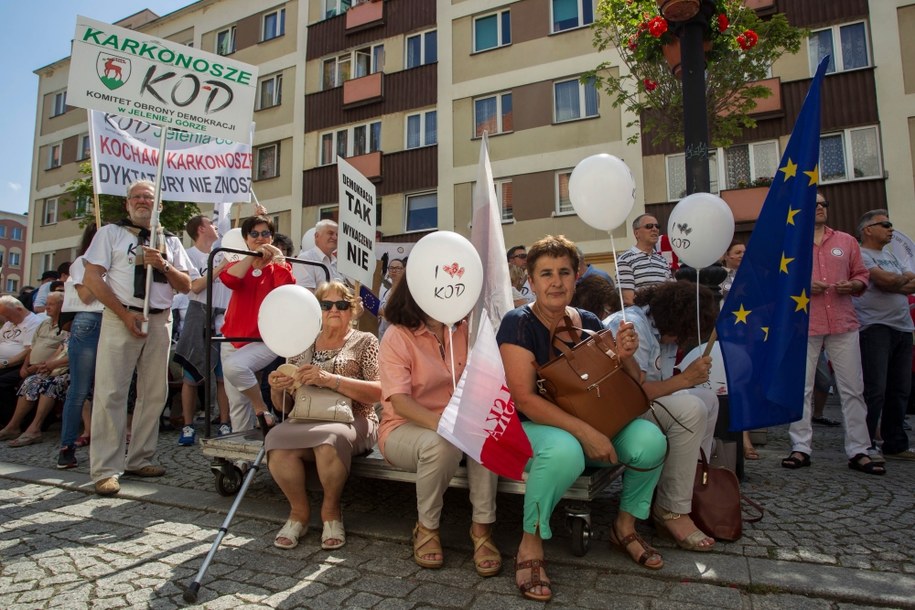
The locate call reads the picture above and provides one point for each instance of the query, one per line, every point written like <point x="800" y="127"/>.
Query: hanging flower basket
<point x="678" y="10"/>
<point x="672" y="54"/>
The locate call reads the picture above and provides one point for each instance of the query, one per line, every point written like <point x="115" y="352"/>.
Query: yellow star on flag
<point x="765" y="329"/>
<point x="801" y="301"/>
<point x="791" y="214"/>
<point x="783" y="266"/>
<point x="814" y="175"/>
<point x="790" y="170"/>
<point x="741" y="314"/>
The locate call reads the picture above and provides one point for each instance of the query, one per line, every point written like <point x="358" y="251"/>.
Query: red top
<point x="837" y="258"/>
<point x="247" y="295"/>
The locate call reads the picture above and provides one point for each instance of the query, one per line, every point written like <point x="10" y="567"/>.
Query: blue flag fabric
<point x="369" y="300"/>
<point x="763" y="323"/>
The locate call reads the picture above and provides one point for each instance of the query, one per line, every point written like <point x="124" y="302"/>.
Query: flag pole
<point x="93" y="161"/>
<point x="154" y="222"/>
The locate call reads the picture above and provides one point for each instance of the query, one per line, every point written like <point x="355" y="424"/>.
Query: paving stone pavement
<point x="831" y="538"/>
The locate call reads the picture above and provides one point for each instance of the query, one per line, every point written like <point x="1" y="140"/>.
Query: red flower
<point x="722" y="22"/>
<point x="633" y="42"/>
<point x="748" y="40"/>
<point x="650" y="85"/>
<point x="657" y="26"/>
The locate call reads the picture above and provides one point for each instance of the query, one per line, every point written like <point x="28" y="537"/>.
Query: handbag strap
<point x="744" y="501"/>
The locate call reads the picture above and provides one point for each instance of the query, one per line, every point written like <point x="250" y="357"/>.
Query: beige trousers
<point x="435" y="461"/>
<point x="119" y="352"/>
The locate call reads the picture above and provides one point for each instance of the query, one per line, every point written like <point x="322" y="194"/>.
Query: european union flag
<point x="763" y="323"/>
<point x="369" y="300"/>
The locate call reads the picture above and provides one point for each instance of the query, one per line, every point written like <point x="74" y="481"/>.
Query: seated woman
<point x="416" y="384"/>
<point x="346" y="361"/>
<point x="251" y="279"/>
<point x="562" y="443"/>
<point x="664" y="315"/>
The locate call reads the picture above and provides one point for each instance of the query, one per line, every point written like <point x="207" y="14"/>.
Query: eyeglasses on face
<point x="521" y="255"/>
<point x="144" y="196"/>
<point x="256" y="234"/>
<point x="340" y="305"/>
<point x="824" y="204"/>
<point x="393" y="268"/>
<point x="651" y="225"/>
<point x="886" y="224"/>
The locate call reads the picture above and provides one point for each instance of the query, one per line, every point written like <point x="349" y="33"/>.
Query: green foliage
<point x="173" y="217"/>
<point x="740" y="47"/>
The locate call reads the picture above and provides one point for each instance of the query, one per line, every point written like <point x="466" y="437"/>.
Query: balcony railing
<point x="365" y="15"/>
<point x="369" y="165"/>
<point x="745" y="203"/>
<point x="363" y="90"/>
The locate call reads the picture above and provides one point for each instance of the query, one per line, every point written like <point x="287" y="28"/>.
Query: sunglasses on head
<point x="341" y="305"/>
<point x="256" y="234"/>
<point x="886" y="224"/>
<point x="651" y="225"/>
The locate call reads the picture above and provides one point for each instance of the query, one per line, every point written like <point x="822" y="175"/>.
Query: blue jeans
<point x="886" y="360"/>
<point x="84" y="333"/>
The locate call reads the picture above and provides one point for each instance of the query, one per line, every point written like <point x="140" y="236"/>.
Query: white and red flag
<point x="480" y="419"/>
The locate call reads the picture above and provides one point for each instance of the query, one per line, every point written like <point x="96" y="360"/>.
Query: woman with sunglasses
<point x="250" y="279"/>
<point x="346" y="361"/>
<point x="416" y="371"/>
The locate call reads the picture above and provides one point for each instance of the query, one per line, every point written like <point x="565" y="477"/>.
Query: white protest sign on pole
<point x="131" y="74"/>
<point x="198" y="167"/>
<point x="356" y="233"/>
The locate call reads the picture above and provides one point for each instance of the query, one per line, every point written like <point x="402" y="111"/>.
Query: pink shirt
<point x="411" y="362"/>
<point x="837" y="258"/>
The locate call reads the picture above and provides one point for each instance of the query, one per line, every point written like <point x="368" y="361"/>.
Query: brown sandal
<point x="421" y="537"/>
<point x="648" y="554"/>
<point x="493" y="555"/>
<point x="536" y="566"/>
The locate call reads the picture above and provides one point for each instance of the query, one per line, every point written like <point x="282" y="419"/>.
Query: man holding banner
<point x="119" y="251"/>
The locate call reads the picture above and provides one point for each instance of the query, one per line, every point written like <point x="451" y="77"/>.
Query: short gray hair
<point x="11" y="302"/>
<point x="141" y="182"/>
<point x="327" y="223"/>
<point x="638" y="220"/>
<point x="868" y="218"/>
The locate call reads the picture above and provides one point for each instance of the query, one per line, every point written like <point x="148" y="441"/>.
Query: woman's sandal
<point x="492" y="555"/>
<point x="650" y="557"/>
<point x="537" y="567"/>
<point x="421" y="537"/>
<point x="871" y="467"/>
<point x="333" y="530"/>
<point x="750" y="453"/>
<point x="292" y="531"/>
<point x="793" y="463"/>
<point x="83" y="441"/>
<point x="693" y="542"/>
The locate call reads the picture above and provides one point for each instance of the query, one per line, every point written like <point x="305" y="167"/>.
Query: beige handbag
<point x="313" y="403"/>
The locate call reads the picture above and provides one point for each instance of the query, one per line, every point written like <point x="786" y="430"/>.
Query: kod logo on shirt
<point x="837" y="252"/>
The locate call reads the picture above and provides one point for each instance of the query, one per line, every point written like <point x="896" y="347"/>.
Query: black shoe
<point x="67" y="457"/>
<point x="825" y="421"/>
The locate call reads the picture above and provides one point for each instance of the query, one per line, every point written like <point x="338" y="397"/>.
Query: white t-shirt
<point x="115" y="248"/>
<point x="72" y="302"/>
<point x="14" y="338"/>
<point x="199" y="260"/>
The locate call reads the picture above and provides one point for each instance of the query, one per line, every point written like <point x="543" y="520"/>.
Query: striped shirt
<point x="638" y="269"/>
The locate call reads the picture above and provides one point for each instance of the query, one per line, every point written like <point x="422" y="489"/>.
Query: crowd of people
<point x="98" y="335"/>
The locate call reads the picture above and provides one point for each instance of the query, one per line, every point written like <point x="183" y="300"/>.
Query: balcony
<point x="369" y="165"/>
<point x="766" y="107"/>
<point x="362" y="91"/>
<point x="745" y="203"/>
<point x="364" y="16"/>
<point x="762" y="7"/>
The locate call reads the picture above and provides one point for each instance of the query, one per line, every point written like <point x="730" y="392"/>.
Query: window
<point x="50" y="211"/>
<point x="569" y="14"/>
<point x="85" y="147"/>
<point x="54" y="156"/>
<point x="81" y="207"/>
<point x="676" y="175"/>
<point x="504" y="196"/>
<point x="268" y="161"/>
<point x="350" y="142"/>
<point x="12" y="285"/>
<point x="331" y="212"/>
<point x="492" y="114"/>
<point x="574" y="100"/>
<point x="15" y="259"/>
<point x="851" y="52"/>
<point x="850" y="155"/>
<point x="491" y="31"/>
<point x="225" y="41"/>
<point x="47" y="262"/>
<point x="270" y="91"/>
<point x="332" y="8"/>
<point x="422" y="212"/>
<point x="60" y="104"/>
<point x="422" y="49"/>
<point x="16" y="233"/>
<point x="355" y="64"/>
<point x="746" y="163"/>
<point x="563" y="202"/>
<point x="2" y="231"/>
<point x="274" y="24"/>
<point x="422" y="129"/>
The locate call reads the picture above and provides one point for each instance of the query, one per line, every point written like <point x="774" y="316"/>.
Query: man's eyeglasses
<point x="886" y="224"/>
<point x="392" y="268"/>
<point x="522" y="256"/>
<point x="145" y="197"/>
<point x="256" y="234"/>
<point x="824" y="204"/>
<point x="341" y="305"/>
<point x="651" y="225"/>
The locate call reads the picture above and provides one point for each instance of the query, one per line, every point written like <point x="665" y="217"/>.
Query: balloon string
<point x="698" y="317"/>
<point x="617" y="269"/>
<point x="451" y="350"/>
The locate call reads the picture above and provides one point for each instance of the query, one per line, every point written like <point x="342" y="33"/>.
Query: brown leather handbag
<point x="587" y="381"/>
<point x="718" y="503"/>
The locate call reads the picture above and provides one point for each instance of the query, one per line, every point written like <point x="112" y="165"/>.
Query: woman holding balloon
<point x="251" y="279"/>
<point x="420" y="359"/>
<point x="344" y="360"/>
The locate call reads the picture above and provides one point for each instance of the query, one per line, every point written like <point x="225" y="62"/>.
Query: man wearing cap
<point x="39" y="301"/>
<point x="116" y="274"/>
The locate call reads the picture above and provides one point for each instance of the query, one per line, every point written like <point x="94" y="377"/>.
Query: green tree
<point x="173" y="217"/>
<point x="740" y="48"/>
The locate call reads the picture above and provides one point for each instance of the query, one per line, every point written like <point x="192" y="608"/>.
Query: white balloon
<point x="234" y="239"/>
<point x="717" y="380"/>
<point x="700" y="229"/>
<point x="602" y="191"/>
<point x="289" y="320"/>
<point x="308" y="240"/>
<point x="445" y="276"/>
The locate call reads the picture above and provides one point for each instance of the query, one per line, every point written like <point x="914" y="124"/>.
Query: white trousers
<point x="239" y="368"/>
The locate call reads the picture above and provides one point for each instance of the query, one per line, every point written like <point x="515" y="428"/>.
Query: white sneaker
<point x="223" y="430"/>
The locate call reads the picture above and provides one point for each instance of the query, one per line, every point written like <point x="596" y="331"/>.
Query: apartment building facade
<point x="14" y="271"/>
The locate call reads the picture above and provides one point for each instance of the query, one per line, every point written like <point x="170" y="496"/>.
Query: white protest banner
<point x="198" y="167"/>
<point x="125" y="72"/>
<point x="904" y="250"/>
<point x="356" y="235"/>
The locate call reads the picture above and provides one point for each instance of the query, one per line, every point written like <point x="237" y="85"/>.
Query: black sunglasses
<point x="341" y="305"/>
<point x="522" y="256"/>
<point x="256" y="234"/>
<point x="886" y="224"/>
<point x="825" y="204"/>
<point x="651" y="225"/>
